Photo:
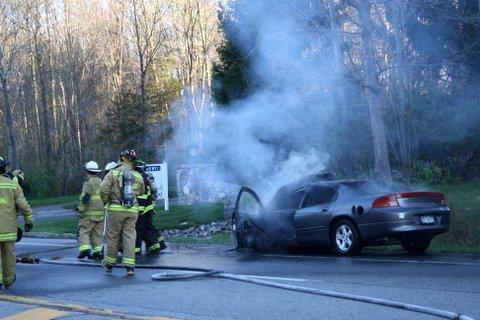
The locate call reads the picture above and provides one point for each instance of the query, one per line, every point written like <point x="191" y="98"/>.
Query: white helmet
<point x="110" y="166"/>
<point x="92" y="167"/>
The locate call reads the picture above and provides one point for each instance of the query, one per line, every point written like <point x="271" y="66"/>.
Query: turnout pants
<point x="147" y="232"/>
<point x="7" y="262"/>
<point x="121" y="229"/>
<point x="90" y="232"/>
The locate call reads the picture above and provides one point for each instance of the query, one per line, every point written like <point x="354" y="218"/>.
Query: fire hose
<point x="192" y="273"/>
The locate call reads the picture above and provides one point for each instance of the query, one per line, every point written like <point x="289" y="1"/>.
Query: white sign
<point x="160" y="174"/>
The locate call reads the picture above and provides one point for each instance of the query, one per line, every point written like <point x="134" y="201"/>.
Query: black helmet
<point x="3" y="163"/>
<point x="140" y="165"/>
<point x="129" y="154"/>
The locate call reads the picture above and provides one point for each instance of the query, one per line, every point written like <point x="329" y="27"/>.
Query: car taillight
<point x="423" y="194"/>
<point x="410" y="199"/>
<point x="389" y="200"/>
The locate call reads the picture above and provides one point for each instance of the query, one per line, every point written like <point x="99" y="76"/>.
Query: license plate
<point x="427" y="219"/>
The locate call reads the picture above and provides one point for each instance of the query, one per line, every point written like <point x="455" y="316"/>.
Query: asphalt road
<point x="445" y="282"/>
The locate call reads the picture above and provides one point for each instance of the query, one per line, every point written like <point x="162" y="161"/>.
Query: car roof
<point x="316" y="180"/>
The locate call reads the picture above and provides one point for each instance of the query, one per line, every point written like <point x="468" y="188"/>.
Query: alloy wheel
<point x="344" y="237"/>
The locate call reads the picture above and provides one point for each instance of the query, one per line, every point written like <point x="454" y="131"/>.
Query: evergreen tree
<point x="232" y="79"/>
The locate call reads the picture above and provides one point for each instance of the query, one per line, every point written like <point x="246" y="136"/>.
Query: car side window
<point x="248" y="204"/>
<point x="294" y="199"/>
<point x="318" y="195"/>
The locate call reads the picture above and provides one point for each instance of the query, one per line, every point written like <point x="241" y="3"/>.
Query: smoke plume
<point x="275" y="135"/>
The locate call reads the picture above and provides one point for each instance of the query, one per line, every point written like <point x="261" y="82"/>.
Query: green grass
<point x="183" y="217"/>
<point x="67" y="200"/>
<point x="464" y="235"/>
<point x="58" y="226"/>
<point x="179" y="217"/>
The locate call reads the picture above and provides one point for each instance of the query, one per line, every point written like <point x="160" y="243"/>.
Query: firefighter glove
<point x="28" y="227"/>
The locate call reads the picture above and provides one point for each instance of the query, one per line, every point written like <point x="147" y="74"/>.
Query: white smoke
<point x="276" y="135"/>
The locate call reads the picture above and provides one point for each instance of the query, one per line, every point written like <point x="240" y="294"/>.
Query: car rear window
<point x="373" y="187"/>
<point x="318" y="195"/>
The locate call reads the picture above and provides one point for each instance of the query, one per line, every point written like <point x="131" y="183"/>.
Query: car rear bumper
<point x="388" y="231"/>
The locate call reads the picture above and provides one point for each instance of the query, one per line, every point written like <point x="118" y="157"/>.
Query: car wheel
<point x="346" y="239"/>
<point x="238" y="234"/>
<point x="416" y="245"/>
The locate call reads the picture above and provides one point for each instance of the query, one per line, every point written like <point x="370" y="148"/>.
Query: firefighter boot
<point x="11" y="283"/>
<point x="163" y="246"/>
<point x="108" y="268"/>
<point x="84" y="254"/>
<point x="130" y="271"/>
<point x="96" y="256"/>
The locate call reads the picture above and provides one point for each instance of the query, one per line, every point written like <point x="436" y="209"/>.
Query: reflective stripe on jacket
<point x="145" y="201"/>
<point x="11" y="201"/>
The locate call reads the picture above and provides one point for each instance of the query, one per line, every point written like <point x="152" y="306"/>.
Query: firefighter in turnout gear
<point x="119" y="190"/>
<point x="19" y="177"/>
<point x="146" y="231"/>
<point x="11" y="201"/>
<point x="90" y="210"/>
<point x="109" y="167"/>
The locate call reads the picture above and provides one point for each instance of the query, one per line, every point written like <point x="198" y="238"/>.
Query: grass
<point x="184" y="217"/>
<point x="67" y="200"/>
<point x="179" y="217"/>
<point x="464" y="235"/>
<point x="58" y="226"/>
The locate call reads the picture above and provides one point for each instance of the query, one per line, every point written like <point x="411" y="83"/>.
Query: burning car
<point x="344" y="215"/>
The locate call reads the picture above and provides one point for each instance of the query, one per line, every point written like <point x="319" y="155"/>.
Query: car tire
<point x="238" y="235"/>
<point x="416" y="245"/>
<point x="346" y="239"/>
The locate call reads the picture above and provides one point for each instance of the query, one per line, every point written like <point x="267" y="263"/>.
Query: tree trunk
<point x="12" y="135"/>
<point x="401" y="84"/>
<point x="372" y="93"/>
<point x="339" y="89"/>
<point x="38" y="55"/>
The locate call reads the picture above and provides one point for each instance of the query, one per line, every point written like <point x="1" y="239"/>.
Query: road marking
<point x="75" y="308"/>
<point x="38" y="314"/>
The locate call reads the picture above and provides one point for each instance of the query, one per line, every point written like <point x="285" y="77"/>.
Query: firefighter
<point x="146" y="231"/>
<point x="11" y="200"/>
<point x="90" y="210"/>
<point x="19" y="177"/>
<point x="119" y="190"/>
<point x="109" y="167"/>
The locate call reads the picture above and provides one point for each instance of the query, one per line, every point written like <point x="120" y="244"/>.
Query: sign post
<point x="160" y="174"/>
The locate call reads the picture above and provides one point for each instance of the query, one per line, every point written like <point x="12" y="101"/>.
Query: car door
<point x="248" y="203"/>
<point x="311" y="220"/>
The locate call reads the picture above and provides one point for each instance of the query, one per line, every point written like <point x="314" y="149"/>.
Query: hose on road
<point x="387" y="303"/>
<point x="192" y="273"/>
